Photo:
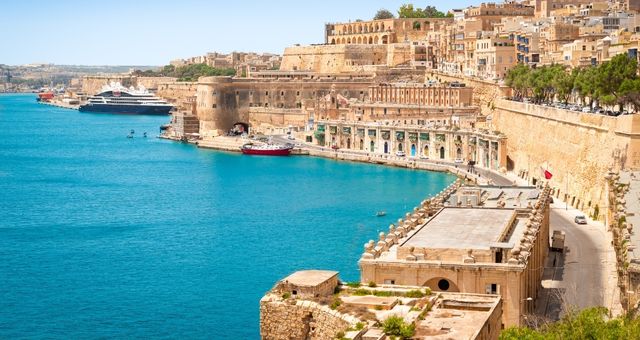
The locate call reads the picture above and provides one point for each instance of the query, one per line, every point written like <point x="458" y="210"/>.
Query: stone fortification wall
<point x="292" y="319"/>
<point x="93" y="84"/>
<point x="265" y="118"/>
<point x="334" y="58"/>
<point x="153" y="83"/>
<point x="223" y="101"/>
<point x="577" y="148"/>
<point x="177" y="92"/>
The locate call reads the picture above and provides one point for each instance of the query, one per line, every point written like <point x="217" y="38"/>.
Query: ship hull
<point x="127" y="109"/>
<point x="281" y="152"/>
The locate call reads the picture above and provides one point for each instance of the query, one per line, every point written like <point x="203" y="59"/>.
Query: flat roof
<point x="310" y="278"/>
<point x="466" y="228"/>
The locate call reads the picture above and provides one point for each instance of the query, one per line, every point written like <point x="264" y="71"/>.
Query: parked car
<point x="400" y="153"/>
<point x="290" y="137"/>
<point x="580" y="219"/>
<point x="586" y="109"/>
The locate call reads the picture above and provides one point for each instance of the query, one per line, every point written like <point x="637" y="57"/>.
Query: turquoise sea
<point x="107" y="237"/>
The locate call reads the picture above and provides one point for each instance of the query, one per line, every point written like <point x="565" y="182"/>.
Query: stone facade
<point x="223" y="101"/>
<point x="577" y="148"/>
<point x="512" y="266"/>
<point x="299" y="320"/>
<point x="448" y="144"/>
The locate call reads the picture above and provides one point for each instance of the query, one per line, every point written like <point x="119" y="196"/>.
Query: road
<point x="584" y="275"/>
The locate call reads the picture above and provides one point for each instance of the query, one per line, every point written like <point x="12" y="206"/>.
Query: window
<point x="389" y="282"/>
<point x="214" y="106"/>
<point x="493" y="288"/>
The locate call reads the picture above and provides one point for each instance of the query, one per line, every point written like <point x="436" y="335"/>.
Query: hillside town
<point x="531" y="104"/>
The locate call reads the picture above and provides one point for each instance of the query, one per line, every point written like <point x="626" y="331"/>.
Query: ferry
<point x="266" y="149"/>
<point x="115" y="98"/>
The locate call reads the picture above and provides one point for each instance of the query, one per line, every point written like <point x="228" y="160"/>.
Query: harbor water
<point x="103" y="236"/>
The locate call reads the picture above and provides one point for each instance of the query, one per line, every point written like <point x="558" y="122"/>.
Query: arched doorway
<point x="362" y="144"/>
<point x="372" y="146"/>
<point x="413" y="150"/>
<point x="442" y="152"/>
<point x="348" y="143"/>
<point x="425" y="152"/>
<point x="459" y="153"/>
<point x="386" y="147"/>
<point x="400" y="147"/>
<point x="385" y="39"/>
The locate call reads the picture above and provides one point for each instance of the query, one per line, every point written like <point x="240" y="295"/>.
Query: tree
<point x="518" y="79"/>
<point x="383" y="14"/>
<point x="407" y="11"/>
<point x="395" y="325"/>
<point x="611" y="76"/>
<point x="563" y="83"/>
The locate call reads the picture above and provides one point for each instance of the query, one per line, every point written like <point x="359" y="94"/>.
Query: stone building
<point x="417" y="141"/>
<point x="333" y="311"/>
<point x="224" y="101"/>
<point x="491" y="240"/>
<point x="384" y="31"/>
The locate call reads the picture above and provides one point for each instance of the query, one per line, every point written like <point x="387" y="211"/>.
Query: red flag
<point x="546" y="173"/>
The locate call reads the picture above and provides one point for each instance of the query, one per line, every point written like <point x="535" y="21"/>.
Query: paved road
<point x="581" y="276"/>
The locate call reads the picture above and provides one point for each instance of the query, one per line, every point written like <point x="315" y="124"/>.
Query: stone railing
<point x="521" y="252"/>
<point x="621" y="232"/>
<point x="411" y="221"/>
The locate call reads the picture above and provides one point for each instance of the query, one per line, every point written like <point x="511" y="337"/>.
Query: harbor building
<point x="486" y="149"/>
<point x="482" y="240"/>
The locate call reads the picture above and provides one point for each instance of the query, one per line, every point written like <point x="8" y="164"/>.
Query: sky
<point x="137" y="32"/>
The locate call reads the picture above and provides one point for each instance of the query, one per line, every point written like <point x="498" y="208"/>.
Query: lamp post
<point x="524" y="316"/>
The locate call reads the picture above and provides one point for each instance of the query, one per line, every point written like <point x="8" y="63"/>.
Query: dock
<point x="62" y="105"/>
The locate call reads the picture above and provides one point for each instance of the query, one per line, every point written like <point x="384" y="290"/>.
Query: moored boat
<point x="45" y="96"/>
<point x="115" y="98"/>
<point x="266" y="149"/>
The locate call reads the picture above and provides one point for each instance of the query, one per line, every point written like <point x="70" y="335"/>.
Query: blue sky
<point x="117" y="32"/>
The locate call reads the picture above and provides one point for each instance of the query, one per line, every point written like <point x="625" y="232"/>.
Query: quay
<point x="61" y="105"/>
<point x="233" y="144"/>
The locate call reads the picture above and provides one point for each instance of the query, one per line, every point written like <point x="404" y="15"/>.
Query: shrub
<point x="427" y="291"/>
<point x="353" y="284"/>
<point x="382" y="293"/>
<point x="372" y="284"/>
<point x="416" y="293"/>
<point x="286" y="295"/>
<point x="359" y="326"/>
<point x="361" y="292"/>
<point x="396" y="326"/>
<point x="336" y="303"/>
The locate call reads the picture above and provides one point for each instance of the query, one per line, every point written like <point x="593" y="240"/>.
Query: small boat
<point x="381" y="213"/>
<point x="129" y="136"/>
<point x="266" y="149"/>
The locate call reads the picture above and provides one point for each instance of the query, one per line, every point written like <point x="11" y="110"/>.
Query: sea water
<point x="103" y="236"/>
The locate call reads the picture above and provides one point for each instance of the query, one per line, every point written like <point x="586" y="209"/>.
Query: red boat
<point x="266" y="149"/>
<point x="45" y="96"/>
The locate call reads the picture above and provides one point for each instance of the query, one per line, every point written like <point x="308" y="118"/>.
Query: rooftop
<point x="310" y="278"/>
<point x="467" y="228"/>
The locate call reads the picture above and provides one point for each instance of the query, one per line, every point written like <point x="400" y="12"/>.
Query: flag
<point x="546" y="173"/>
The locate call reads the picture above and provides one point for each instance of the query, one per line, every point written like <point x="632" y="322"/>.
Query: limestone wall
<point x="292" y="319"/>
<point x="577" y="148"/>
<point x="177" y="92"/>
<point x="333" y="58"/>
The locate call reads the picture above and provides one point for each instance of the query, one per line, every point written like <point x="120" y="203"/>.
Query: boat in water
<point x="266" y="149"/>
<point x="381" y="213"/>
<point x="45" y="96"/>
<point x="115" y="98"/>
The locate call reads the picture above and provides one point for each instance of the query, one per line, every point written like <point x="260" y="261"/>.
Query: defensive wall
<point x="577" y="148"/>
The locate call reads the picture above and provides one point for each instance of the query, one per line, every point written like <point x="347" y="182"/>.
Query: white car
<point x="586" y="109"/>
<point x="400" y="153"/>
<point x="290" y="137"/>
<point x="458" y="161"/>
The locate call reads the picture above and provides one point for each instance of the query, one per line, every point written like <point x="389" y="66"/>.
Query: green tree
<point x="408" y="11"/>
<point x="395" y="325"/>
<point x="563" y="82"/>
<point x="518" y="79"/>
<point x="383" y="14"/>
<point x="611" y="76"/>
